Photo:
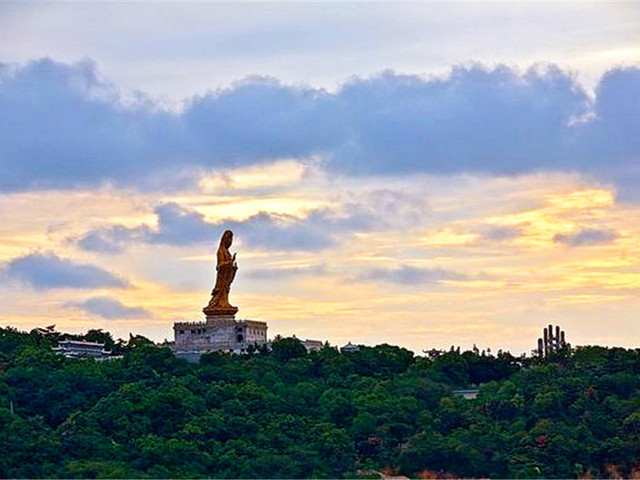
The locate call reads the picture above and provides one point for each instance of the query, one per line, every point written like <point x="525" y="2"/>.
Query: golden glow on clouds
<point x="283" y="172"/>
<point x="448" y="238"/>
<point x="584" y="299"/>
<point x="559" y="214"/>
<point x="237" y="208"/>
<point x="581" y="200"/>
<point x="501" y="292"/>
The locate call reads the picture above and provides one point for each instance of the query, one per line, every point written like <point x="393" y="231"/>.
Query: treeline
<point x="287" y="413"/>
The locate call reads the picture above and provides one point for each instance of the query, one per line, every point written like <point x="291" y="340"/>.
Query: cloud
<point x="500" y="233"/>
<point x="476" y="120"/>
<point x="112" y="239"/>
<point x="285" y="232"/>
<point x="288" y="272"/>
<point x="68" y="128"/>
<point x="617" y="118"/>
<point x="586" y="236"/>
<point x="109" y="308"/>
<point x="44" y="271"/>
<point x="177" y="225"/>
<point x="408" y="275"/>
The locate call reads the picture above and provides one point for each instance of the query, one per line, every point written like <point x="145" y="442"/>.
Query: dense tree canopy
<point x="289" y="413"/>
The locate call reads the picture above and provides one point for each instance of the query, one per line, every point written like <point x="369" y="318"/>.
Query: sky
<point x="419" y="174"/>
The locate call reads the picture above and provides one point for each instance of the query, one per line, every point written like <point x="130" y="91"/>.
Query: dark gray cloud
<point x="109" y="308"/>
<point x="408" y="275"/>
<point x="47" y="271"/>
<point x="586" y="236"/>
<point x="65" y="127"/>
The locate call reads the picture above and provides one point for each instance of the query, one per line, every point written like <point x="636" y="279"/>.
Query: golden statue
<point x="226" y="271"/>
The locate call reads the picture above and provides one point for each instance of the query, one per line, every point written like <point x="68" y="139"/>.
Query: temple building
<point x="81" y="349"/>
<point x="220" y="331"/>
<point x="350" y="348"/>
<point x="312" y="345"/>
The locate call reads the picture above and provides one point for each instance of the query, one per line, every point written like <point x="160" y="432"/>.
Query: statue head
<point x="227" y="238"/>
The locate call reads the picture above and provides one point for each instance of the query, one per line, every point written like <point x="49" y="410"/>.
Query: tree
<point x="287" y="349"/>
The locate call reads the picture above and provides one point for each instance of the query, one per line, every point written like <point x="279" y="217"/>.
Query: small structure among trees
<point x="552" y="342"/>
<point x="82" y="349"/>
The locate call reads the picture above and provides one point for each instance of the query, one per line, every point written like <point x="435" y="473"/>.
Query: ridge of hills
<point x="288" y="413"/>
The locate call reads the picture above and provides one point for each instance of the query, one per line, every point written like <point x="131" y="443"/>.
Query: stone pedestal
<point x="220" y="312"/>
<point x="220" y="318"/>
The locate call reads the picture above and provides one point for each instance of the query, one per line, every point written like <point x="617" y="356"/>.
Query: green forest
<point x="289" y="413"/>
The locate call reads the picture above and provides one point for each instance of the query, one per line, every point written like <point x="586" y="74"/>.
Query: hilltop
<point x="289" y="413"/>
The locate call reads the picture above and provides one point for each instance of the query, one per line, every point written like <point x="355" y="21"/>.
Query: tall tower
<point x="552" y="341"/>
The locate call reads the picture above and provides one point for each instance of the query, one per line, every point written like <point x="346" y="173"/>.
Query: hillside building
<point x="81" y="349"/>
<point x="312" y="345"/>
<point x="350" y="348"/>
